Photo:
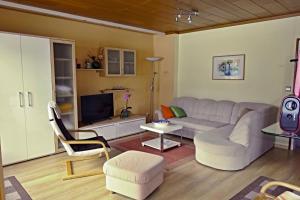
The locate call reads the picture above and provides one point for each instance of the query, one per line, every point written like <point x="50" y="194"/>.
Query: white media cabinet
<point x="115" y="127"/>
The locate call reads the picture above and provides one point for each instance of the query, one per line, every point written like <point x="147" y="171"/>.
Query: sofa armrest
<point x="158" y="115"/>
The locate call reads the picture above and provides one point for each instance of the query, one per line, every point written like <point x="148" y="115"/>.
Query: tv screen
<point x="97" y="107"/>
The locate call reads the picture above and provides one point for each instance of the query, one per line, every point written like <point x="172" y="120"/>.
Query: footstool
<point x="134" y="174"/>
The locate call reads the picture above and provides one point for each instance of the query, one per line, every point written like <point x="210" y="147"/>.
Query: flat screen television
<point x="96" y="107"/>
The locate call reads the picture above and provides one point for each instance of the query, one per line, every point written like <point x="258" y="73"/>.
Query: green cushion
<point x="178" y="112"/>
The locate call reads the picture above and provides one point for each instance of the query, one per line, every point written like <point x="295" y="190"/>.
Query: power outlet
<point x="288" y="88"/>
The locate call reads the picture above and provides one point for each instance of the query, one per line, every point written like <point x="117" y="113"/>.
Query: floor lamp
<point x="152" y="60"/>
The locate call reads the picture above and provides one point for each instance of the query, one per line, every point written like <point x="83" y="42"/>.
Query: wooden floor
<point x="191" y="181"/>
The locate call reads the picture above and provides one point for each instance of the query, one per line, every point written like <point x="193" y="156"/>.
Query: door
<point x="12" y="119"/>
<point x="36" y="60"/>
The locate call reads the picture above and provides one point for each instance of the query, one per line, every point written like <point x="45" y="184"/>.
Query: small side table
<point x="276" y="131"/>
<point x="161" y="143"/>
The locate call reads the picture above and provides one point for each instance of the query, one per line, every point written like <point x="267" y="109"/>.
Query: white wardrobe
<point x="25" y="90"/>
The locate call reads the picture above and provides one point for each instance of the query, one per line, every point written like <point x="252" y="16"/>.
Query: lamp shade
<point x="154" y="59"/>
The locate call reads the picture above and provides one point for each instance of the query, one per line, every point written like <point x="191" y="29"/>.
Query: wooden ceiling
<point x="160" y="15"/>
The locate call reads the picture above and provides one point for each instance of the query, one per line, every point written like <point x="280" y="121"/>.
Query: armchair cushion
<point x="86" y="147"/>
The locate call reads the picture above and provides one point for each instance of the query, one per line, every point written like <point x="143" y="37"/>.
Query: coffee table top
<point x="161" y="130"/>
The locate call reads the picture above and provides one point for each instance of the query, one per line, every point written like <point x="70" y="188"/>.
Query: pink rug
<point x="173" y="157"/>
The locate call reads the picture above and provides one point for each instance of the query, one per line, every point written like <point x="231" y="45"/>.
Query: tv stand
<point x="115" y="127"/>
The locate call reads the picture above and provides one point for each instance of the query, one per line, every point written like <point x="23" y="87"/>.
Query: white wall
<point x="268" y="47"/>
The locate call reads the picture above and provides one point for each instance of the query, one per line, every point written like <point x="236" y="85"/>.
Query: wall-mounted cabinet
<point x="120" y="62"/>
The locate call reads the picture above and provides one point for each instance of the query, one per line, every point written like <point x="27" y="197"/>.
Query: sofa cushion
<point x="218" y="143"/>
<point x="178" y="112"/>
<point x="241" y="131"/>
<point x="134" y="166"/>
<point x="259" y="107"/>
<point x="167" y="112"/>
<point x="207" y="109"/>
<point x="199" y="124"/>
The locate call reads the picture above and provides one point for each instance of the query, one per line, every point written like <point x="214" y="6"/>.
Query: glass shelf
<point x="64" y="80"/>
<point x="275" y="130"/>
<point x="63" y="59"/>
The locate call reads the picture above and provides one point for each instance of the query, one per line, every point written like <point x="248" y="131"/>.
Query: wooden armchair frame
<point x="69" y="162"/>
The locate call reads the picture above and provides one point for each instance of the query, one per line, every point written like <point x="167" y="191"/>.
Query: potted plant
<point x="126" y="111"/>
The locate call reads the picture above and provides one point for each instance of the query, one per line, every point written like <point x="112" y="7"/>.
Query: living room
<point x="221" y="139"/>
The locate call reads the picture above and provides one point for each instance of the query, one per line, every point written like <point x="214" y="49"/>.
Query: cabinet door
<point x="36" y="62"/>
<point x="12" y="119"/>
<point x="129" y="62"/>
<point x="113" y="62"/>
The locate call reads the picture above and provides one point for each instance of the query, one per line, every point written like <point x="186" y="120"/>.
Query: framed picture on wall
<point x="230" y="67"/>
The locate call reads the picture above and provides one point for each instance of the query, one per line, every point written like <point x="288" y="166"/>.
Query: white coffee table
<point x="160" y="143"/>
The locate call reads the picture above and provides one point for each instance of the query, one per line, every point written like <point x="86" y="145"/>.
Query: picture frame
<point x="228" y="67"/>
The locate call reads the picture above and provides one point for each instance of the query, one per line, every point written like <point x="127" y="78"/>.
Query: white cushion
<point x="134" y="166"/>
<point x="198" y="124"/>
<point x="207" y="109"/>
<point x="287" y="195"/>
<point x="240" y="133"/>
<point x="215" y="143"/>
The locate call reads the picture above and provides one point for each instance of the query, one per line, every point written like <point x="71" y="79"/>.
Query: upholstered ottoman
<point x="134" y="174"/>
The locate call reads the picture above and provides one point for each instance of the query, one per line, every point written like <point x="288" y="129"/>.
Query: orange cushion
<point x="167" y="112"/>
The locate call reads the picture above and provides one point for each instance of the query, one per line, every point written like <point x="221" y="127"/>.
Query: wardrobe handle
<point x="30" y="104"/>
<point x="21" y="99"/>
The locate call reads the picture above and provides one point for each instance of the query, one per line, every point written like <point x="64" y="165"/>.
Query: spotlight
<point x="186" y="14"/>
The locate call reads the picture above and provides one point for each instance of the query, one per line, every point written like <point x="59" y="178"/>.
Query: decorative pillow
<point x="166" y="112"/>
<point x="242" y="112"/>
<point x="241" y="131"/>
<point x="178" y="112"/>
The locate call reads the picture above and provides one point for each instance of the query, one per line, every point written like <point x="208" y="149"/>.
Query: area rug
<point x="14" y="190"/>
<point x="253" y="189"/>
<point x="173" y="157"/>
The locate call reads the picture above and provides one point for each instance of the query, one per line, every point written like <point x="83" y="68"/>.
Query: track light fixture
<point x="181" y="13"/>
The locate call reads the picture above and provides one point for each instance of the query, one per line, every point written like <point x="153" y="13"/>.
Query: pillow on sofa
<point x="240" y="133"/>
<point x="167" y="112"/>
<point x="242" y="112"/>
<point x="178" y="112"/>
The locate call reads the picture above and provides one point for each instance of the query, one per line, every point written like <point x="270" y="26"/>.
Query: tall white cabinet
<point x="25" y="90"/>
<point x="64" y="83"/>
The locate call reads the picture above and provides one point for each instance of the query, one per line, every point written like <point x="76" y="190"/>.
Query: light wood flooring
<point x="42" y="178"/>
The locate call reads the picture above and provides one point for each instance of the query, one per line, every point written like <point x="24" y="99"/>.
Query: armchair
<point x="92" y="148"/>
<point x="284" y="196"/>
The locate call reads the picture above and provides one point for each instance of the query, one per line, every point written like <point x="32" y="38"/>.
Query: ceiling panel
<point x="160" y="15"/>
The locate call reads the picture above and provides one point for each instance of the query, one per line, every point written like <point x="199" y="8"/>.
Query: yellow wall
<point x="268" y="47"/>
<point x="88" y="38"/>
<point x="166" y="47"/>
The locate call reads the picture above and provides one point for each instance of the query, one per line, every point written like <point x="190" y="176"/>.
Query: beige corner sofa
<point x="227" y="135"/>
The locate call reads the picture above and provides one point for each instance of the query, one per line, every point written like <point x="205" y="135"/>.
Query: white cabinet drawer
<point x="108" y="132"/>
<point x="127" y="128"/>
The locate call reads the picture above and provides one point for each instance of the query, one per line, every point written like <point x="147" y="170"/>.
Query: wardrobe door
<point x="12" y="119"/>
<point x="36" y="61"/>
